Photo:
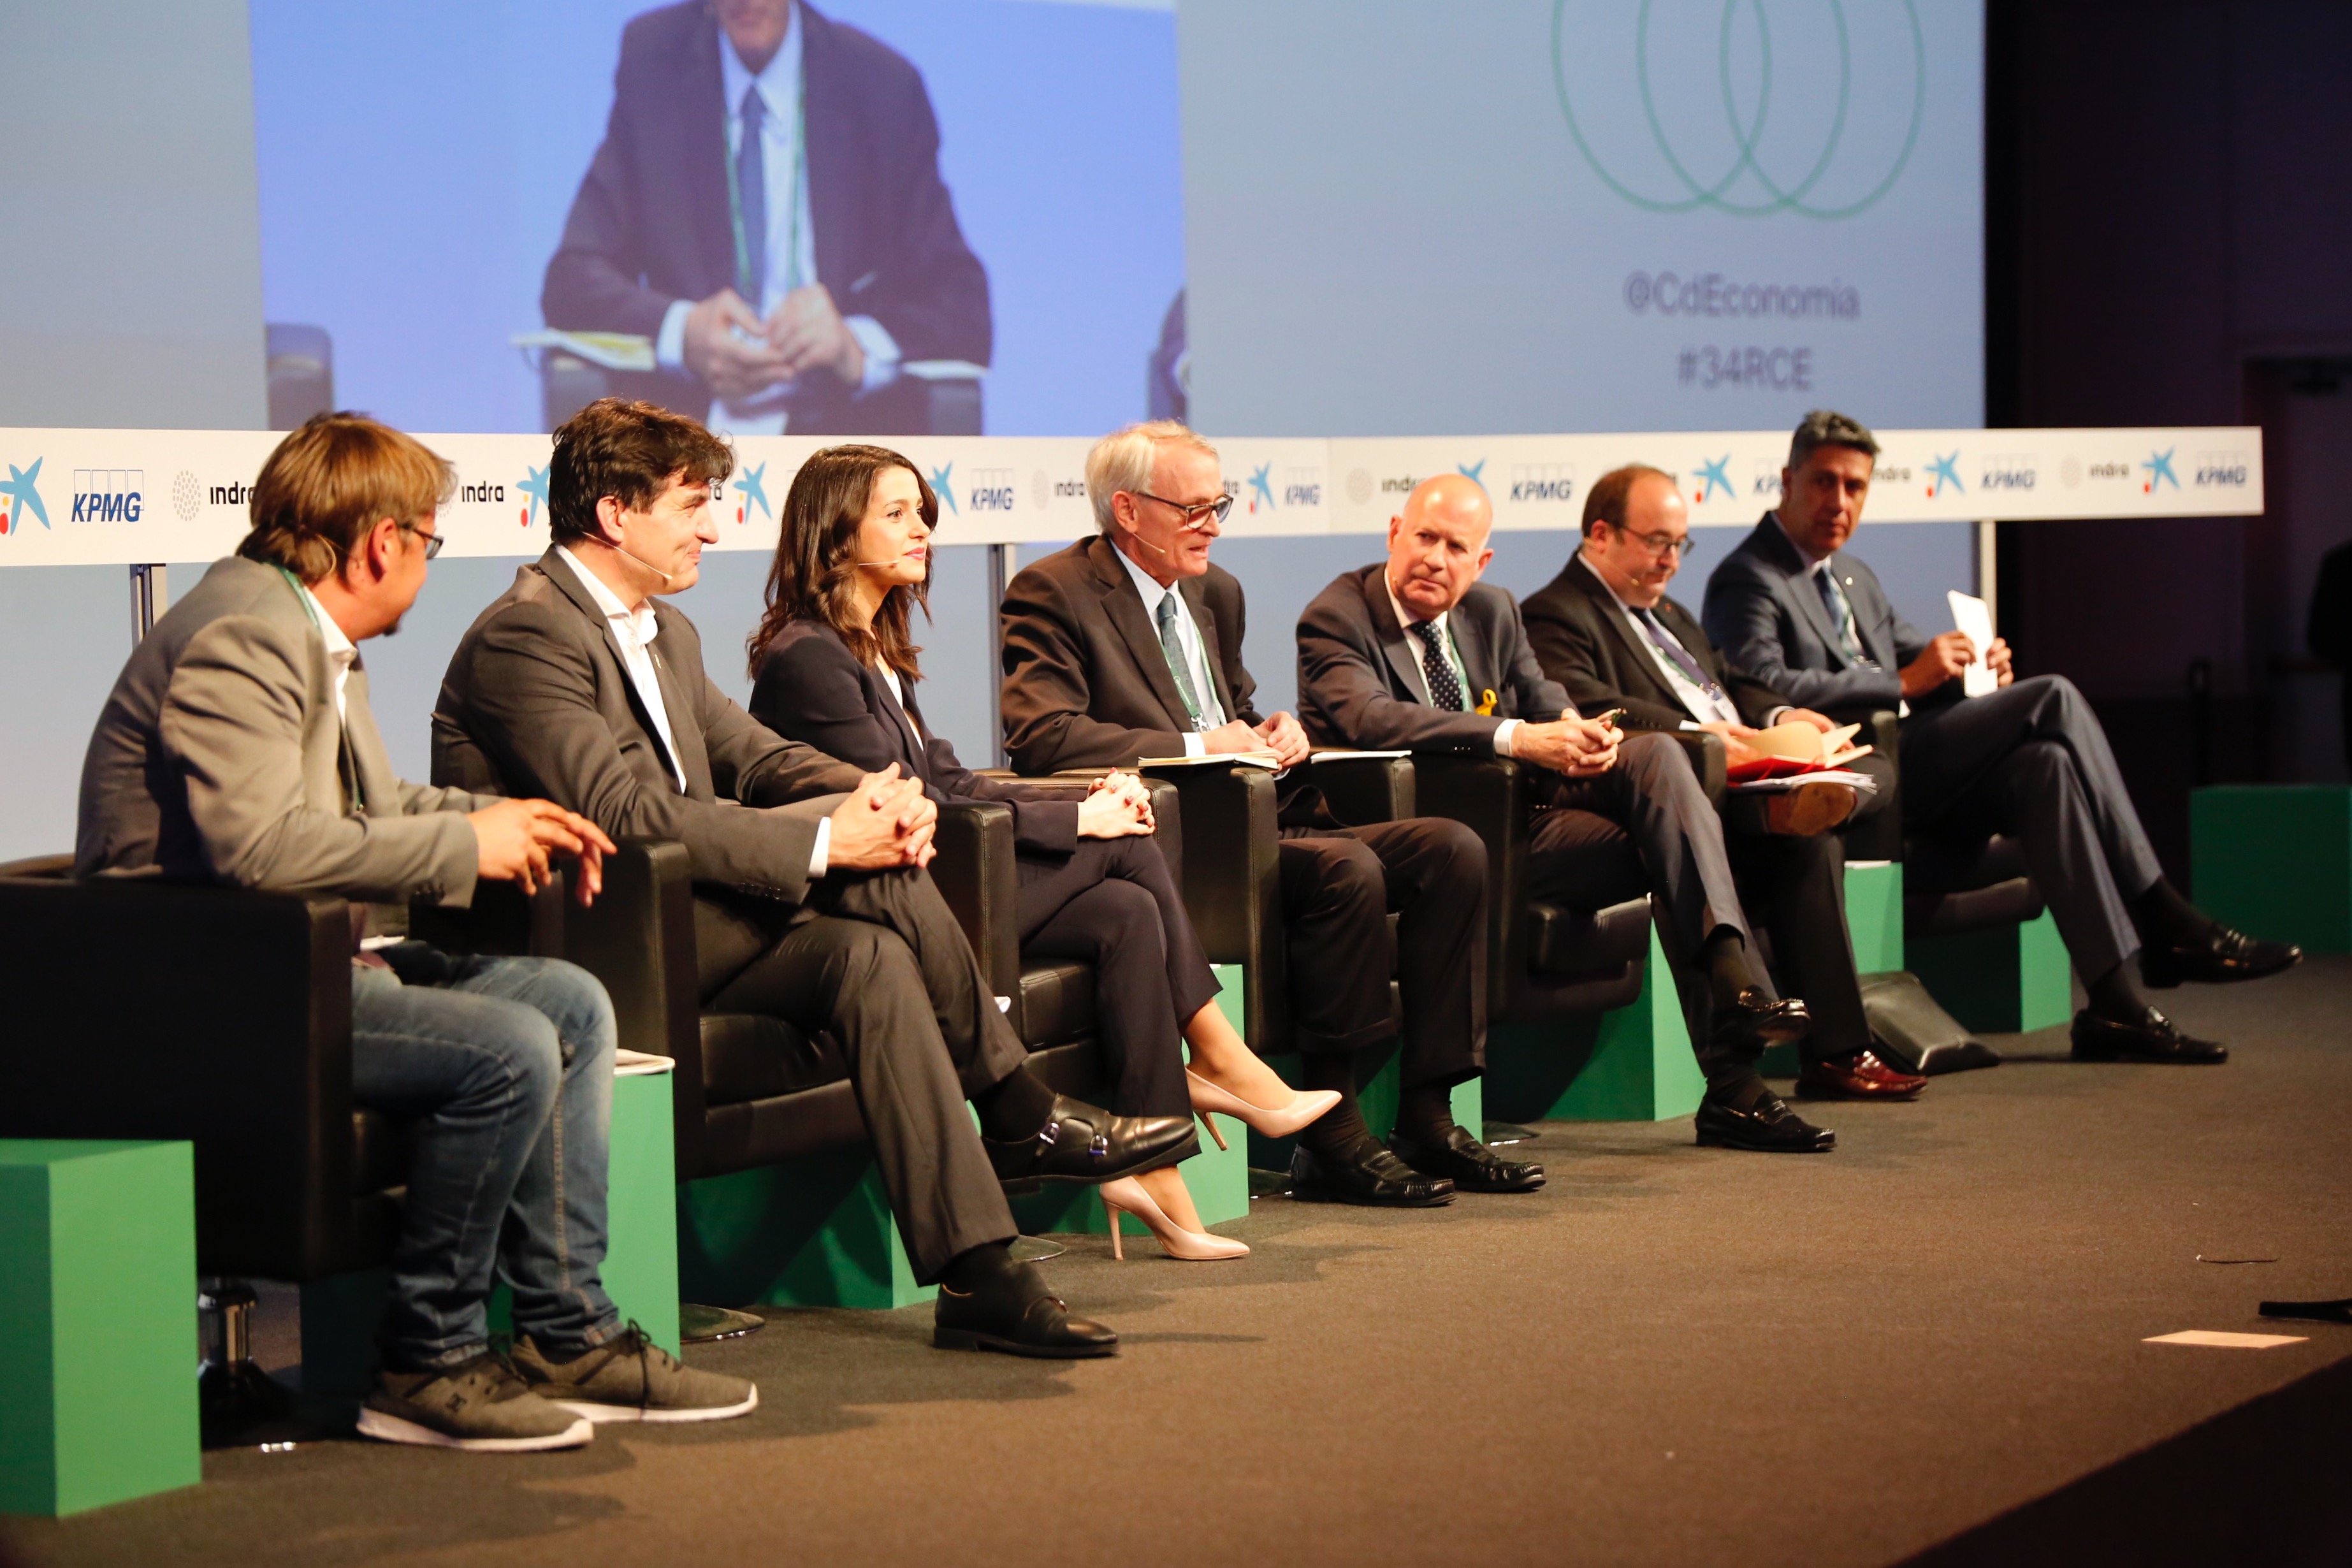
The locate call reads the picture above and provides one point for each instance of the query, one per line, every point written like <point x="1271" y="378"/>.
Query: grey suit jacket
<point x="1361" y="682"/>
<point x="1765" y="614"/>
<point x="216" y="758"/>
<point x="538" y="700"/>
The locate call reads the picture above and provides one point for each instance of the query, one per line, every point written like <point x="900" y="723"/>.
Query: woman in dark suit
<point x="831" y="666"/>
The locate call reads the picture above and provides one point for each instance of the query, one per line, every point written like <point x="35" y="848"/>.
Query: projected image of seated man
<point x="2028" y="759"/>
<point x="766" y="208"/>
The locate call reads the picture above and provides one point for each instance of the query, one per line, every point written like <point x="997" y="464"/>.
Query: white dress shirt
<point x="1188" y="638"/>
<point x="790" y="238"/>
<point x="634" y="630"/>
<point x="1405" y="618"/>
<point x="1706" y="708"/>
<point x="341" y="652"/>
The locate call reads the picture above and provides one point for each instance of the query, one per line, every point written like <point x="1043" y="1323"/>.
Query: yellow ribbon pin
<point x="1486" y="702"/>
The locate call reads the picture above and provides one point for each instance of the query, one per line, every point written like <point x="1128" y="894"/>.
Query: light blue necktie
<point x="1178" y="665"/>
<point x="751" y="200"/>
<point x="1841" y="610"/>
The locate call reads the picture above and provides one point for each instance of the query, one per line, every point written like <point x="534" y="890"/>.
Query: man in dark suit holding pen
<point x="2028" y="758"/>
<point x="1128" y="645"/>
<point x="767" y="208"/>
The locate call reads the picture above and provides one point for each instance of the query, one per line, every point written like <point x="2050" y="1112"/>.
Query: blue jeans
<point x="505" y="1067"/>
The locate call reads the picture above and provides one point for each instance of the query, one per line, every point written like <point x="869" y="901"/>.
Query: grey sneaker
<point x="480" y="1406"/>
<point x="630" y="1378"/>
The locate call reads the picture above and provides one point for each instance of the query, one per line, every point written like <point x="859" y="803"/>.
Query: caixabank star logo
<point x="20" y="498"/>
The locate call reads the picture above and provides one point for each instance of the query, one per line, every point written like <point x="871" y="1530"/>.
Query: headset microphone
<point x="666" y="577"/>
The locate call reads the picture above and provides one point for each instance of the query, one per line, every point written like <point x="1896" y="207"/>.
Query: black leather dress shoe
<point x="1469" y="1164"/>
<point x="1015" y="1313"/>
<point x="1756" y="1021"/>
<point x="2224" y="955"/>
<point x="1082" y="1142"/>
<point x="1377" y="1179"/>
<point x="2151" y="1039"/>
<point x="1766" y="1127"/>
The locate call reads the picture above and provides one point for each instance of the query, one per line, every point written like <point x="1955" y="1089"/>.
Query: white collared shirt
<point x="1444" y="622"/>
<point x="634" y="630"/>
<point x="791" y="236"/>
<point x="1188" y="638"/>
<point x="341" y="652"/>
<point x="1706" y="708"/>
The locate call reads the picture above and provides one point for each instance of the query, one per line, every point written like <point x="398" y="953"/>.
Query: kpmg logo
<point x="1302" y="487"/>
<point x="20" y="495"/>
<point x="108" y="495"/>
<point x="943" y="481"/>
<point x="2222" y="470"/>
<point x="1553" y="482"/>
<point x="532" y="487"/>
<point x="753" y="487"/>
<point x="1713" y="480"/>
<point x="1764" y="480"/>
<point x="2159" y="472"/>
<point x="1945" y="471"/>
<point x="991" y="489"/>
<point x="2010" y="472"/>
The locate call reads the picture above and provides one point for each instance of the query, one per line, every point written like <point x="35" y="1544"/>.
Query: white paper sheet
<point x="1974" y="618"/>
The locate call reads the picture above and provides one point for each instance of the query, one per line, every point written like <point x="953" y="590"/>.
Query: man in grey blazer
<point x="812" y="903"/>
<point x="2028" y="758"/>
<point x="1414" y="652"/>
<point x="238" y="748"/>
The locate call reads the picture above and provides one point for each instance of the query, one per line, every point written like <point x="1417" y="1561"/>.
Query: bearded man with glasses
<point x="1128" y="645"/>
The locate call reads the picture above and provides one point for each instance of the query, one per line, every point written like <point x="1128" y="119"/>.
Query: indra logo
<point x="108" y="495"/>
<point x="1554" y="482"/>
<point x="532" y="487"/>
<point x="943" y="480"/>
<point x="1302" y="487"/>
<point x="991" y="489"/>
<point x="2010" y="473"/>
<point x="20" y="496"/>
<point x="753" y="489"/>
<point x="2159" y="472"/>
<point x="1774" y="106"/>
<point x="1713" y="480"/>
<point x="2222" y="470"/>
<point x="482" y="495"/>
<point x="1945" y="472"/>
<point x="1261" y="487"/>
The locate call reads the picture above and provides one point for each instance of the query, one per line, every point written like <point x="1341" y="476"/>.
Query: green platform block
<point x="98" y="1323"/>
<point x="1630" y="1064"/>
<point x="2009" y="980"/>
<point x="341" y="1315"/>
<point x="812" y="1232"/>
<point x="2276" y="861"/>
<point x="1218" y="1179"/>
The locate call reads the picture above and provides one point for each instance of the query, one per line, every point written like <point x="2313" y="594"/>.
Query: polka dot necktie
<point x="1445" y="690"/>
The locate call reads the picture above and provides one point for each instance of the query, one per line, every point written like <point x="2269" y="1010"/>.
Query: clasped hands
<point x="886" y="822"/>
<point x="737" y="355"/>
<point x="1281" y="735"/>
<point x="1577" y="748"/>
<point x="1946" y="657"/>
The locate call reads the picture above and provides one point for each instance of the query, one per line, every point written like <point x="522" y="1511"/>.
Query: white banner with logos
<point x="127" y="496"/>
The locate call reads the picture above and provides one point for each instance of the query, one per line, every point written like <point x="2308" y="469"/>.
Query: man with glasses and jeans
<point x="238" y="748"/>
<point x="1128" y="645"/>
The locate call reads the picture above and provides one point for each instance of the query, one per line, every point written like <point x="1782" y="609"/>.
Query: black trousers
<point x="876" y="962"/>
<point x="1112" y="904"/>
<point x="1646" y="826"/>
<point x="1338" y="886"/>
<point x="2031" y="761"/>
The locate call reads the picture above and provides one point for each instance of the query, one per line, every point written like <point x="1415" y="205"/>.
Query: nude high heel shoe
<point x="1126" y="1195"/>
<point x="1277" y="1123"/>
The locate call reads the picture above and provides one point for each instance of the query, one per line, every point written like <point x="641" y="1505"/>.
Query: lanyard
<point x="727" y="116"/>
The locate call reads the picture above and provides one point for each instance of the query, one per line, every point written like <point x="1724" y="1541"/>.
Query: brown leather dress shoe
<point x="1859" y="1075"/>
<point x="1810" y="809"/>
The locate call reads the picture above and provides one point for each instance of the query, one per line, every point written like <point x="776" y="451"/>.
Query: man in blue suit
<point x="767" y="208"/>
<point x="2028" y="759"/>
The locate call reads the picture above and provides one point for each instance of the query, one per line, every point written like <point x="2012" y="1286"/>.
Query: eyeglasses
<point x="1662" y="543"/>
<point x="433" y="542"/>
<point x="1196" y="515"/>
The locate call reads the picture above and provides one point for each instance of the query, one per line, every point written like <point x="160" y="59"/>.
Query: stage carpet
<point x="1930" y="1341"/>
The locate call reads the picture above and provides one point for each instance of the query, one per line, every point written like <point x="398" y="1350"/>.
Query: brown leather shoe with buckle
<point x="1859" y="1075"/>
<point x="1808" y="809"/>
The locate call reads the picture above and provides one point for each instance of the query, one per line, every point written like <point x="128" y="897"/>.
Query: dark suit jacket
<point x="650" y="223"/>
<point x="810" y="686"/>
<point x="1086" y="682"/>
<point x="538" y="696"/>
<point x="1361" y="682"/>
<point x="1768" y="617"/>
<point x="1583" y="641"/>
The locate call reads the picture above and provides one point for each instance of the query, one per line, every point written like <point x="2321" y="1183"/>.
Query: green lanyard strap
<point x="727" y="131"/>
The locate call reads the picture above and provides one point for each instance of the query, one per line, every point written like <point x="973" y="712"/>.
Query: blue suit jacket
<point x="1766" y="615"/>
<point x="650" y="223"/>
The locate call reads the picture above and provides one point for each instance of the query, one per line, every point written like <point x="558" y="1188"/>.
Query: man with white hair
<point x="1128" y="645"/>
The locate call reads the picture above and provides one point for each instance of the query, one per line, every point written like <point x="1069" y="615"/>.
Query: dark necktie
<point x="1841" y="611"/>
<point x="751" y="200"/>
<point x="1671" y="646"/>
<point x="1178" y="665"/>
<point x="1445" y="690"/>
